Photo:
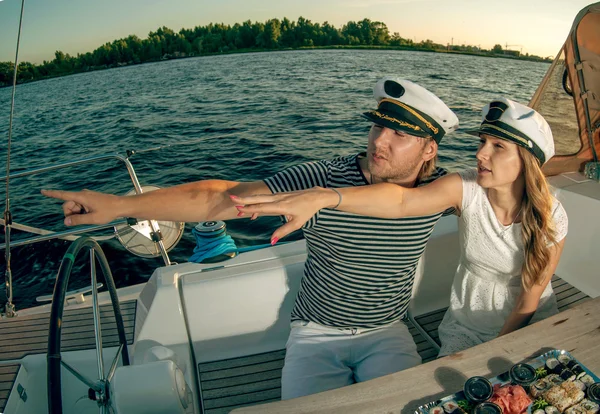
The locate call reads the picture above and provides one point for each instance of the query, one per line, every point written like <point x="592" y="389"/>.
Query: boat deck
<point x="225" y="384"/>
<point x="256" y="379"/>
<point x="27" y="335"/>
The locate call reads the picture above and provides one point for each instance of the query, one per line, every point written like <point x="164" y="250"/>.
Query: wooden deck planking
<point x="254" y="379"/>
<point x="405" y="391"/>
<point x="27" y="335"/>
<point x="8" y="373"/>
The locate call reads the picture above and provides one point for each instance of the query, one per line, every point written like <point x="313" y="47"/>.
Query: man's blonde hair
<point x="428" y="167"/>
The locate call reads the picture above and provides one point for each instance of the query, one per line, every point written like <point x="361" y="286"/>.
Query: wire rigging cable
<point x="10" y="307"/>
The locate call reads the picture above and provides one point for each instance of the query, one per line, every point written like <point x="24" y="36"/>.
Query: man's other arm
<point x="197" y="201"/>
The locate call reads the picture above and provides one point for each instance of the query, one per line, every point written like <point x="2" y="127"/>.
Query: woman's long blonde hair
<point x="538" y="230"/>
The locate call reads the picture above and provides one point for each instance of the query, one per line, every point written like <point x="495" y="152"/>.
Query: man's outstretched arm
<point x="197" y="201"/>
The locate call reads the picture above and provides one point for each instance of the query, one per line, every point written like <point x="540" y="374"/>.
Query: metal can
<point x="522" y="374"/>
<point x="478" y="389"/>
<point x="593" y="392"/>
<point x="487" y="408"/>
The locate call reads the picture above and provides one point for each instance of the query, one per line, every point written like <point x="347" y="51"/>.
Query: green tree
<point x="381" y="34"/>
<point x="269" y="37"/>
<point x="352" y="33"/>
<point x="287" y="37"/>
<point x="427" y="44"/>
<point x="305" y="32"/>
<point x="164" y="43"/>
<point x="6" y="73"/>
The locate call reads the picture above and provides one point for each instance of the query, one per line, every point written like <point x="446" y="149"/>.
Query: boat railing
<point x="45" y="235"/>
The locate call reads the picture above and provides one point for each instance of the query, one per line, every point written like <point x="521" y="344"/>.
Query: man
<point x="359" y="272"/>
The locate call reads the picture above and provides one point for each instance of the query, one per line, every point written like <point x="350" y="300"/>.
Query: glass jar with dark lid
<point x="593" y="392"/>
<point x="522" y="374"/>
<point x="478" y="389"/>
<point x="487" y="408"/>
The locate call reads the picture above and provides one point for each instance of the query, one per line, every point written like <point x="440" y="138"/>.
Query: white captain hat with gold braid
<point x="515" y="122"/>
<point x="405" y="106"/>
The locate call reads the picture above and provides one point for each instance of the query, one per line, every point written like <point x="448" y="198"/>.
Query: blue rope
<point x="257" y="247"/>
<point x="216" y="244"/>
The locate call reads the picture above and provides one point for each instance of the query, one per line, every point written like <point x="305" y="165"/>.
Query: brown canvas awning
<point x="575" y="120"/>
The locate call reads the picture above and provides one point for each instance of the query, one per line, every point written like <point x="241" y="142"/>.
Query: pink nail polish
<point x="233" y="197"/>
<point x="274" y="240"/>
<point x="238" y="207"/>
<point x="240" y="214"/>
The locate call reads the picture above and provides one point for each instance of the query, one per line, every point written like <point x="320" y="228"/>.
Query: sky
<point x="533" y="26"/>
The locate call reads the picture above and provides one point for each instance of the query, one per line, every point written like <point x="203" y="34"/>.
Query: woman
<point x="511" y="228"/>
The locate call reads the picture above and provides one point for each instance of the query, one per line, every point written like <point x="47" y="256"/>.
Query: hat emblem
<point x="393" y="89"/>
<point x="495" y="112"/>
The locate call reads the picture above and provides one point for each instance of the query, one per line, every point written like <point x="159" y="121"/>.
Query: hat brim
<point x="536" y="151"/>
<point x="379" y="118"/>
<point x="478" y="132"/>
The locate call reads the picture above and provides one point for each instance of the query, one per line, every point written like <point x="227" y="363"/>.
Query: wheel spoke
<point x="97" y="322"/>
<point x="98" y="389"/>
<point x="81" y="377"/>
<point x="113" y="366"/>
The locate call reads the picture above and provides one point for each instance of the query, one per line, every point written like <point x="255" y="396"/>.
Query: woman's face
<point x="498" y="162"/>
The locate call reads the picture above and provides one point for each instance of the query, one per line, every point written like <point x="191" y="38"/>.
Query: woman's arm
<point x="388" y="200"/>
<point x="383" y="200"/>
<point x="527" y="302"/>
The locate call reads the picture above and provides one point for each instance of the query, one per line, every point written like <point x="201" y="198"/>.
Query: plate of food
<point x="553" y="383"/>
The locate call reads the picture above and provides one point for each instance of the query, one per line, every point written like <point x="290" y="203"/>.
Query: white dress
<point x="488" y="278"/>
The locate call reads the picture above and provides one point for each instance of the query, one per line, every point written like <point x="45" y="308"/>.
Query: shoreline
<point x="331" y="47"/>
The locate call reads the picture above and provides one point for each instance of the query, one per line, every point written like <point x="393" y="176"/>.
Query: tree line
<point x="273" y="34"/>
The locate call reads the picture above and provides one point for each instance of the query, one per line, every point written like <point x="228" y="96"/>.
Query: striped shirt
<point x="360" y="270"/>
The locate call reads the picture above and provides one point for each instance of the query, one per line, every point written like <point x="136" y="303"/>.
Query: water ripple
<point x="249" y="116"/>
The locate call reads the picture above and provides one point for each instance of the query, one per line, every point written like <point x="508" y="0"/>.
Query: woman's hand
<point x="298" y="207"/>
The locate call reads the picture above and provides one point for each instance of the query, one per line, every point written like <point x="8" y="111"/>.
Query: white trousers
<point x="321" y="358"/>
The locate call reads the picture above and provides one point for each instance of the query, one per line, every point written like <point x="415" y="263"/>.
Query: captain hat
<point x="515" y="122"/>
<point x="405" y="106"/>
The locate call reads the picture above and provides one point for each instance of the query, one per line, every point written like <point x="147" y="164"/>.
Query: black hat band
<point x="408" y="118"/>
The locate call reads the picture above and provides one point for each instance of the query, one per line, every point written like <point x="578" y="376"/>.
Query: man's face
<point x="395" y="155"/>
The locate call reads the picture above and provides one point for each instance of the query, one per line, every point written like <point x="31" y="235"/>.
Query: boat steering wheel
<point x="98" y="388"/>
